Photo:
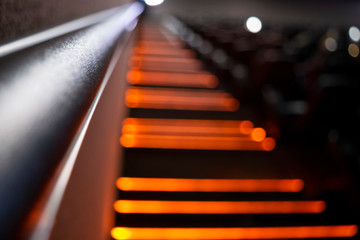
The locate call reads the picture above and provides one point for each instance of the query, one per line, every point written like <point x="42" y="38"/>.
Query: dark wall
<point x="19" y="18"/>
<point x="322" y="11"/>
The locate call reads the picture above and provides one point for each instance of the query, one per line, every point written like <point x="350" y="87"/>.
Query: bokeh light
<point x="154" y="2"/>
<point x="353" y="50"/>
<point x="253" y="24"/>
<point x="330" y="44"/>
<point x="354" y="33"/>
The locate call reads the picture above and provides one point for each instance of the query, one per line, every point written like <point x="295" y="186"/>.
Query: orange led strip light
<point x="179" y="99"/>
<point x="200" y="80"/>
<point x="157" y="44"/>
<point x="157" y="36"/>
<point x="196" y="142"/>
<point x="299" y="232"/>
<point x="186" y="127"/>
<point x="209" y="185"/>
<point x="155" y="41"/>
<point x="163" y="51"/>
<point x="191" y="122"/>
<point x="219" y="207"/>
<point x="182" y="130"/>
<point x="166" y="67"/>
<point x="163" y="59"/>
<point x="183" y="67"/>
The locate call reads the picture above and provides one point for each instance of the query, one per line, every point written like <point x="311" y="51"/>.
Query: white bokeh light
<point x="253" y="24"/>
<point x="354" y="34"/>
<point x="330" y="44"/>
<point x="154" y="2"/>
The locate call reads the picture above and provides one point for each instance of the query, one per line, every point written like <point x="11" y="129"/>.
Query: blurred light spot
<point x="353" y="50"/>
<point x="298" y="232"/>
<point x="253" y="24"/>
<point x="330" y="44"/>
<point x="269" y="144"/>
<point x="206" y="48"/>
<point x="218" y="207"/>
<point x="209" y="185"/>
<point x="246" y="127"/>
<point x="128" y="141"/>
<point x="154" y="2"/>
<point x="121" y="233"/>
<point x="258" y="134"/>
<point x="354" y="33"/>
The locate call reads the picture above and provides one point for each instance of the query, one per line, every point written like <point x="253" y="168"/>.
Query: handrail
<point x="48" y="93"/>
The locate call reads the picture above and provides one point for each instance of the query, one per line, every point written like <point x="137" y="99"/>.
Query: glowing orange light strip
<point x="186" y="126"/>
<point x="248" y="134"/>
<point x="185" y="67"/>
<point x="201" y="79"/>
<point x="180" y="92"/>
<point x="180" y="130"/>
<point x="156" y="35"/>
<point x="236" y="233"/>
<point x="164" y="51"/>
<point x="209" y="185"/>
<point x="162" y="59"/>
<point x="196" y="142"/>
<point x="162" y="98"/>
<point x="188" y="122"/>
<point x="218" y="207"/>
<point x="157" y="43"/>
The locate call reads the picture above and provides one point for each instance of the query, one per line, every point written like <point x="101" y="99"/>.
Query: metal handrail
<point x="48" y="93"/>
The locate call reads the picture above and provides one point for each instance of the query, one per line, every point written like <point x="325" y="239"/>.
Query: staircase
<point x="198" y="164"/>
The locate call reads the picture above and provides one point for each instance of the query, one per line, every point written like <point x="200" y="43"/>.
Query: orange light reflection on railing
<point x="195" y="142"/>
<point x="201" y="79"/>
<point x="218" y="207"/>
<point x="299" y="232"/>
<point x="180" y="99"/>
<point x="209" y="185"/>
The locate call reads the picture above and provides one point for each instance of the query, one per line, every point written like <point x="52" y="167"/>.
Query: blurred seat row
<point x="303" y="78"/>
